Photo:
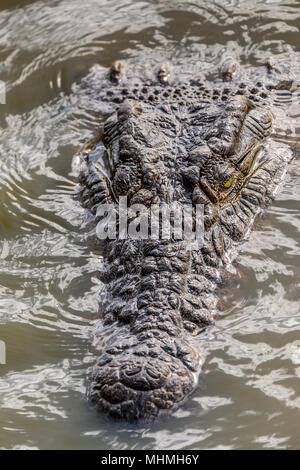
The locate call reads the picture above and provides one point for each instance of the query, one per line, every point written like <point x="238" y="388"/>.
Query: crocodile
<point x="170" y="135"/>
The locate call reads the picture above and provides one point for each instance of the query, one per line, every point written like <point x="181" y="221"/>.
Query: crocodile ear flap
<point x="257" y="126"/>
<point x="247" y="161"/>
<point x="111" y="140"/>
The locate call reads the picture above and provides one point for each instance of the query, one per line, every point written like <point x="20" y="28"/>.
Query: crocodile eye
<point x="228" y="182"/>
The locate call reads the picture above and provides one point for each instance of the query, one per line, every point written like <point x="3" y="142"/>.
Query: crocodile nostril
<point x="131" y="370"/>
<point x="155" y="374"/>
<point x="146" y="377"/>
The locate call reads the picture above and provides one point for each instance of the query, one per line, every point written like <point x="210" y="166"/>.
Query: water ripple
<point x="248" y="394"/>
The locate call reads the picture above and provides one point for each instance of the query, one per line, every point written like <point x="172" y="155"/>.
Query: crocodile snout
<point x="136" y="388"/>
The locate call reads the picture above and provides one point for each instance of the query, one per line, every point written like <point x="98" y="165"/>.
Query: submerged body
<point x="170" y="140"/>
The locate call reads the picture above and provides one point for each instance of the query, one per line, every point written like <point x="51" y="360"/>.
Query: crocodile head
<point x="190" y="144"/>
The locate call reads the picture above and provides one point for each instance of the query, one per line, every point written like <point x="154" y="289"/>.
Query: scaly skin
<point x="167" y="141"/>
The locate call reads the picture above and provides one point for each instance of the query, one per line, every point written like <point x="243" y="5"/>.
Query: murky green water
<point x="249" y="392"/>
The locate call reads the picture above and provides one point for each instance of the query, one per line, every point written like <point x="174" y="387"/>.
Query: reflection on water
<point x="248" y="395"/>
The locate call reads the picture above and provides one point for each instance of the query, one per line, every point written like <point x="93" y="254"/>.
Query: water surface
<point x="249" y="391"/>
